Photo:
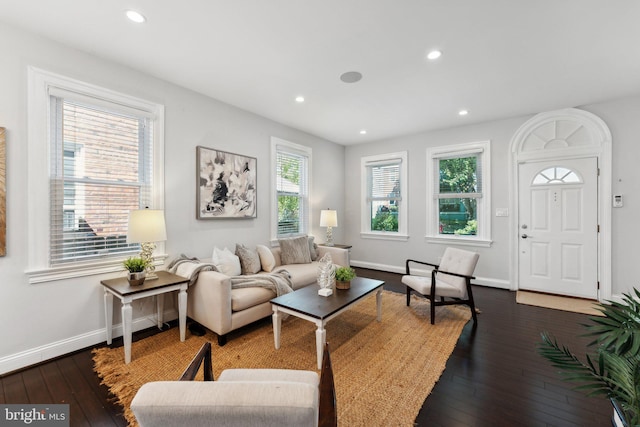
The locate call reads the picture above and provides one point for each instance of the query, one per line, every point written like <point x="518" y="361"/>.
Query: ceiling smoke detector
<point x="351" y="77"/>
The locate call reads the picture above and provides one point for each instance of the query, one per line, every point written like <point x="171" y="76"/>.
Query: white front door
<point x="558" y="227"/>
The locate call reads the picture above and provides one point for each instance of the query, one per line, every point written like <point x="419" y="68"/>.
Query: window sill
<point x="462" y="241"/>
<point x="75" y="271"/>
<point x="384" y="236"/>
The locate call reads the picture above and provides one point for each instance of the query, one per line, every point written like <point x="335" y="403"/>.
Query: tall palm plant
<point x="613" y="370"/>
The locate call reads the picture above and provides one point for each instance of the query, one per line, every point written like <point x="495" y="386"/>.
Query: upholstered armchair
<point x="450" y="279"/>
<point x="239" y="397"/>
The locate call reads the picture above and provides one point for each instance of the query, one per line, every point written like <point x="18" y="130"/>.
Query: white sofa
<point x="213" y="303"/>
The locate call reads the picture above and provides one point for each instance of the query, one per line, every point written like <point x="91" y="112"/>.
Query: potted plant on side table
<point x="136" y="267"/>
<point x="344" y="275"/>
<point x="614" y="369"/>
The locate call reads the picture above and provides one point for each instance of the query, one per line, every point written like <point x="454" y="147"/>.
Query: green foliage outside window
<point x="386" y="219"/>
<point x="458" y="215"/>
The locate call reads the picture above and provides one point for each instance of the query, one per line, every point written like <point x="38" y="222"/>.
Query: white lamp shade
<point x="146" y="225"/>
<point x="328" y="218"/>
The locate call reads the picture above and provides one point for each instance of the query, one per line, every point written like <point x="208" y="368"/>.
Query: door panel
<point x="558" y="227"/>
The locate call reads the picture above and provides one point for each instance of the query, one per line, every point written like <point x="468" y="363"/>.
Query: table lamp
<point x="147" y="226"/>
<point x="329" y="219"/>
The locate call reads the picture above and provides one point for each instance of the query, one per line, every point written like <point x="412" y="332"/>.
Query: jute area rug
<point x="557" y="302"/>
<point x="383" y="371"/>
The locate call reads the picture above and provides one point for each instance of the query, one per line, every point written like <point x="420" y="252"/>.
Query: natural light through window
<point x="384" y="195"/>
<point x="458" y="200"/>
<point x="556" y="175"/>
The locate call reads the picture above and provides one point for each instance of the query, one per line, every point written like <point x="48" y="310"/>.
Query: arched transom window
<point x="556" y="175"/>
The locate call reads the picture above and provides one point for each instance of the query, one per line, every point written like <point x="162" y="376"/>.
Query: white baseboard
<point x="483" y="281"/>
<point x="52" y="350"/>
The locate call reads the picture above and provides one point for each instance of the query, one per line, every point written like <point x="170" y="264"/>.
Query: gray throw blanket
<point x="189" y="267"/>
<point x="279" y="281"/>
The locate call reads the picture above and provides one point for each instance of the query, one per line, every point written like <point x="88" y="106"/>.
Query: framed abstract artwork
<point x="226" y="185"/>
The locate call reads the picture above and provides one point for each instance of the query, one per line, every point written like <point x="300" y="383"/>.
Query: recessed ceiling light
<point x="300" y="99"/>
<point x="434" y="54"/>
<point x="463" y="112"/>
<point x="136" y="17"/>
<point x="363" y="132"/>
<point x="351" y="77"/>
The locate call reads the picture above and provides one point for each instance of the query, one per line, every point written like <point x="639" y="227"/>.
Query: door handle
<point x="524" y="236"/>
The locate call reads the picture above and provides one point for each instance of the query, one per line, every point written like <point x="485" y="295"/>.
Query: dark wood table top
<point x="121" y="286"/>
<point x="307" y="301"/>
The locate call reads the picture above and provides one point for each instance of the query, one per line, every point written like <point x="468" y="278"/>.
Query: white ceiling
<point x="501" y="58"/>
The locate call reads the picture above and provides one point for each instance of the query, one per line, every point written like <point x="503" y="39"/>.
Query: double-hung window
<point x="458" y="193"/>
<point x="384" y="194"/>
<point x="291" y="172"/>
<point x="101" y="163"/>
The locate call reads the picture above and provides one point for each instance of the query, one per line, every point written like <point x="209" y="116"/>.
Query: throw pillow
<point x="226" y="262"/>
<point x="249" y="259"/>
<point x="295" y="250"/>
<point x="313" y="249"/>
<point x="267" y="260"/>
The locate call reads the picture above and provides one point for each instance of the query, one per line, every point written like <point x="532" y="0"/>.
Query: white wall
<point x="621" y="115"/>
<point x="46" y="320"/>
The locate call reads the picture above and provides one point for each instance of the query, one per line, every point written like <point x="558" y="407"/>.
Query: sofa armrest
<point x="209" y="301"/>
<point x="242" y="403"/>
<point x="339" y="256"/>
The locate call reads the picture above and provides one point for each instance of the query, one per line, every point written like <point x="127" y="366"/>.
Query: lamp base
<point x="329" y="241"/>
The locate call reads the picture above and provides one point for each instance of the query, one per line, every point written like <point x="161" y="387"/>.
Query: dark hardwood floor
<point x="493" y="378"/>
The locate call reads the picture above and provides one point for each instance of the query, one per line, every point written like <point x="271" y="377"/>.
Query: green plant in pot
<point x="136" y="267"/>
<point x="344" y="276"/>
<point x="613" y="370"/>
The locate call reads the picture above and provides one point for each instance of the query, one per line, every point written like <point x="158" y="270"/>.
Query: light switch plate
<point x="502" y="211"/>
<point x="617" y="201"/>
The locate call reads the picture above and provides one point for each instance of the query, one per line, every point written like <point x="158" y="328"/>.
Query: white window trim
<point x="365" y="220"/>
<point x="483" y="239"/>
<point x="292" y="147"/>
<point x="40" y="84"/>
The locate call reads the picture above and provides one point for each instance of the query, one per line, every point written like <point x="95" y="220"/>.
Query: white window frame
<point x="40" y="84"/>
<point x="434" y="154"/>
<point x="281" y="145"/>
<point x="403" y="204"/>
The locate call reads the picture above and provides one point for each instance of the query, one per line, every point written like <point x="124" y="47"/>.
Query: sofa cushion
<point x="295" y="250"/>
<point x="267" y="260"/>
<point x="313" y="249"/>
<point x="227" y="403"/>
<point x="226" y="262"/>
<point x="243" y="298"/>
<point x="249" y="259"/>
<point x="301" y="274"/>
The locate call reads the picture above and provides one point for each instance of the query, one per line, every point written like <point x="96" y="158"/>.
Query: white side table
<point x="120" y="288"/>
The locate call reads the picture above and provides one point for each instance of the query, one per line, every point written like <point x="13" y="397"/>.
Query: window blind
<point x="101" y="168"/>
<point x="384" y="181"/>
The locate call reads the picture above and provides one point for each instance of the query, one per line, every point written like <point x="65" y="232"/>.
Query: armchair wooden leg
<point x="433" y="311"/>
